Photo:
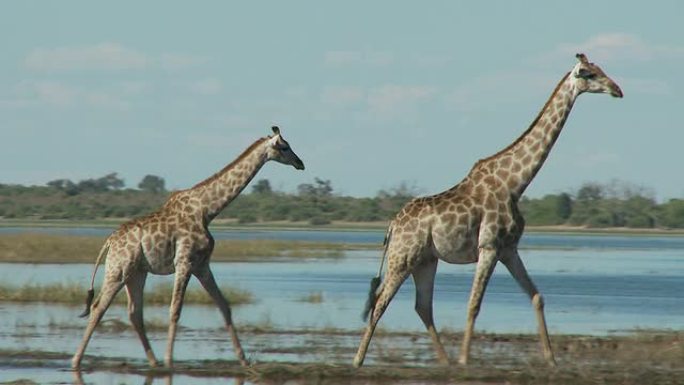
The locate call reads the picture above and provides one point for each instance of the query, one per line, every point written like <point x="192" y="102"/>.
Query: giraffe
<point x="176" y="239"/>
<point x="477" y="221"/>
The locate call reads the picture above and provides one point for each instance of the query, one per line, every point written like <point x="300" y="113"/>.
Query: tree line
<point x="595" y="205"/>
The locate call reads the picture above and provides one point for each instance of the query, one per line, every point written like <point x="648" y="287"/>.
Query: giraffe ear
<point x="276" y="130"/>
<point x="582" y="58"/>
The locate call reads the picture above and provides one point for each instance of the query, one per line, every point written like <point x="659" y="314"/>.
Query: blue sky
<point x="369" y="94"/>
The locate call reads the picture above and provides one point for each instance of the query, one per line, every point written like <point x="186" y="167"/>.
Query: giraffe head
<point x="280" y="151"/>
<point x="590" y="78"/>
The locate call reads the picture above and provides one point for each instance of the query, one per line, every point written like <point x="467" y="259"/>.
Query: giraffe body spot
<point x="503" y="174"/>
<point x="490" y="181"/>
<point x="490" y="203"/>
<point x="449" y="218"/>
<point x="535" y="147"/>
<point x="512" y="183"/>
<point x="526" y="160"/>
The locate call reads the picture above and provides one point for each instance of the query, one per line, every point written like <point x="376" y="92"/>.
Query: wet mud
<point x="301" y="357"/>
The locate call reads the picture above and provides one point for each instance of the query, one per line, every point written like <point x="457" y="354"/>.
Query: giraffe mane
<point x="231" y="164"/>
<point x="534" y="123"/>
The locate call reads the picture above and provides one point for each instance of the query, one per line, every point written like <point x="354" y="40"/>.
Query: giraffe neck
<point x="517" y="164"/>
<point x="217" y="191"/>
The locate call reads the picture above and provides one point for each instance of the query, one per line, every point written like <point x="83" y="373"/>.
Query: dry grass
<point x="314" y="297"/>
<point x="74" y="294"/>
<point x="45" y="248"/>
<point x="42" y="248"/>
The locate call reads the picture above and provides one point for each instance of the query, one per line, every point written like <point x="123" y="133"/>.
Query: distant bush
<point x="592" y="205"/>
<point x="247" y="218"/>
<point x="549" y="210"/>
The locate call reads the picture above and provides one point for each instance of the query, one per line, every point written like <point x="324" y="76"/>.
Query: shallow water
<point x="586" y="291"/>
<point x="597" y="284"/>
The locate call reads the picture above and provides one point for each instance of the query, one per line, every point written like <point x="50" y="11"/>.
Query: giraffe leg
<point x="134" y="288"/>
<point x="77" y="377"/>
<point x="389" y="288"/>
<point x="110" y="288"/>
<point x="424" y="279"/>
<point x="517" y="269"/>
<point x="485" y="266"/>
<point x="207" y="280"/>
<point x="180" y="284"/>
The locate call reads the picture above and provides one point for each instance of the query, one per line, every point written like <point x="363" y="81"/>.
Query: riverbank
<point x="80" y="242"/>
<point x="230" y="224"/>
<point x="33" y="247"/>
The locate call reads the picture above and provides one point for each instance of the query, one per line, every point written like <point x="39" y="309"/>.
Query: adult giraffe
<point x="477" y="221"/>
<point x="176" y="239"/>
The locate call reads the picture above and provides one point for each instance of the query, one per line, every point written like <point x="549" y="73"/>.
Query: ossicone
<point x="582" y="57"/>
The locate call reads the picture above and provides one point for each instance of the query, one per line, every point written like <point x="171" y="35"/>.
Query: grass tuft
<point x="48" y="248"/>
<point x="74" y="294"/>
<point x="314" y="297"/>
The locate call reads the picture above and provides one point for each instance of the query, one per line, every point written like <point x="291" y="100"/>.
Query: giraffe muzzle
<point x="615" y="91"/>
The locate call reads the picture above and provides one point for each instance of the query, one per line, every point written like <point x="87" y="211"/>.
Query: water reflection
<point x="101" y="378"/>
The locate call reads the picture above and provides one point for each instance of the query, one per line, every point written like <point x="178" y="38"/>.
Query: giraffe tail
<point x="91" y="291"/>
<point x="377" y="280"/>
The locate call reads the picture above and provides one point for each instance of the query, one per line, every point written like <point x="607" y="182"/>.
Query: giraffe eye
<point x="285" y="148"/>
<point x="585" y="74"/>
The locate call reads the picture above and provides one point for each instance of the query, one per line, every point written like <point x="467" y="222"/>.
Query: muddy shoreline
<point x="644" y="357"/>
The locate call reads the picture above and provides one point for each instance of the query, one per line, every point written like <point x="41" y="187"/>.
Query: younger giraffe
<point x="477" y="220"/>
<point x="176" y="239"/>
